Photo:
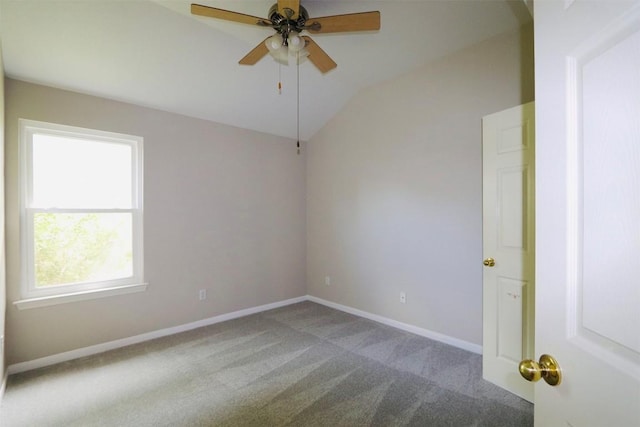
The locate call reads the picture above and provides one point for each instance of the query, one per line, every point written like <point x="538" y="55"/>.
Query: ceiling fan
<point x="289" y="19"/>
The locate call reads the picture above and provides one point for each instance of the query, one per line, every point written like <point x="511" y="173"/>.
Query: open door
<point x="508" y="244"/>
<point x="588" y="211"/>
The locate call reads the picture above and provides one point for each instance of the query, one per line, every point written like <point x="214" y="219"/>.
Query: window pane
<point x="75" y="173"/>
<point x="82" y="247"/>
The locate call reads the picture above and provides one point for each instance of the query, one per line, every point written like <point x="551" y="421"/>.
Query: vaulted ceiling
<point x="155" y="53"/>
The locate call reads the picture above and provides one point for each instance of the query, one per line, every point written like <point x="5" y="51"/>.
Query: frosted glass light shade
<point x="295" y="43"/>
<point x="277" y="49"/>
<point x="301" y="55"/>
<point x="281" y="55"/>
<point x="274" y="43"/>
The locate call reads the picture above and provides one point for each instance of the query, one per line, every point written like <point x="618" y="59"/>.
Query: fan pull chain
<point x="279" y="79"/>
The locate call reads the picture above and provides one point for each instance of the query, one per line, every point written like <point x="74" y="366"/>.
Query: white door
<point x="508" y="246"/>
<point x="588" y="210"/>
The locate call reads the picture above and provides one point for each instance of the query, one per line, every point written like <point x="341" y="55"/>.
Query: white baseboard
<point x="455" y="342"/>
<point x="112" y="345"/>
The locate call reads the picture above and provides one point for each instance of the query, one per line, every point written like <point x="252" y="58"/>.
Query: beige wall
<point x="224" y="211"/>
<point x="3" y="293"/>
<point x="394" y="189"/>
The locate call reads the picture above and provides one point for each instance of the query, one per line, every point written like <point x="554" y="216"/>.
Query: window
<point x="81" y="212"/>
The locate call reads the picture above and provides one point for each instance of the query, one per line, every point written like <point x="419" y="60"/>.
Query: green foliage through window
<point x="81" y="247"/>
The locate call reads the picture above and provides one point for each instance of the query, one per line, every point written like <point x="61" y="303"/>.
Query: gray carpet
<point x="301" y="365"/>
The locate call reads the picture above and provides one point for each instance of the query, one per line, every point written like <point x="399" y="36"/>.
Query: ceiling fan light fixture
<point x="281" y="56"/>
<point x="300" y="56"/>
<point x="275" y="43"/>
<point x="295" y="42"/>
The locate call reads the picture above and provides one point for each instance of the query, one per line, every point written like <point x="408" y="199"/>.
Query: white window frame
<point x="50" y="295"/>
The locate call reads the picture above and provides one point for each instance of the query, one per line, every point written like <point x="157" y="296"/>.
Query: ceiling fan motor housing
<point x="284" y="24"/>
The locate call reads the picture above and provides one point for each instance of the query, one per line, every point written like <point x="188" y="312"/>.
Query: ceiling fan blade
<point x="319" y="57"/>
<point x="227" y="15"/>
<point x="256" y="54"/>
<point x="363" y="21"/>
<point x="293" y="5"/>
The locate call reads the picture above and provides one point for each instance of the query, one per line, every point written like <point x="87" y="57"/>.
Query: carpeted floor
<point x="301" y="365"/>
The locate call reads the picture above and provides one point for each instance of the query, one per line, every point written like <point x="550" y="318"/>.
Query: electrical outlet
<point x="403" y="298"/>
<point x="327" y="280"/>
<point x="202" y="294"/>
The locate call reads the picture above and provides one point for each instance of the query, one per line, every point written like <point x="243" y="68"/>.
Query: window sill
<point x="78" y="296"/>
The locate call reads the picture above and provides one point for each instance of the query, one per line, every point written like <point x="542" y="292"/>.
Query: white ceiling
<point x="155" y="53"/>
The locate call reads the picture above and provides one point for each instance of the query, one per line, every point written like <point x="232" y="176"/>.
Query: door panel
<point x="512" y="215"/>
<point x="606" y="77"/>
<point x="587" y="221"/>
<point x="510" y="319"/>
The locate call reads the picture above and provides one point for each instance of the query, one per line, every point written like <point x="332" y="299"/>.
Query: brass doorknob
<point x="546" y="368"/>
<point x="489" y="262"/>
